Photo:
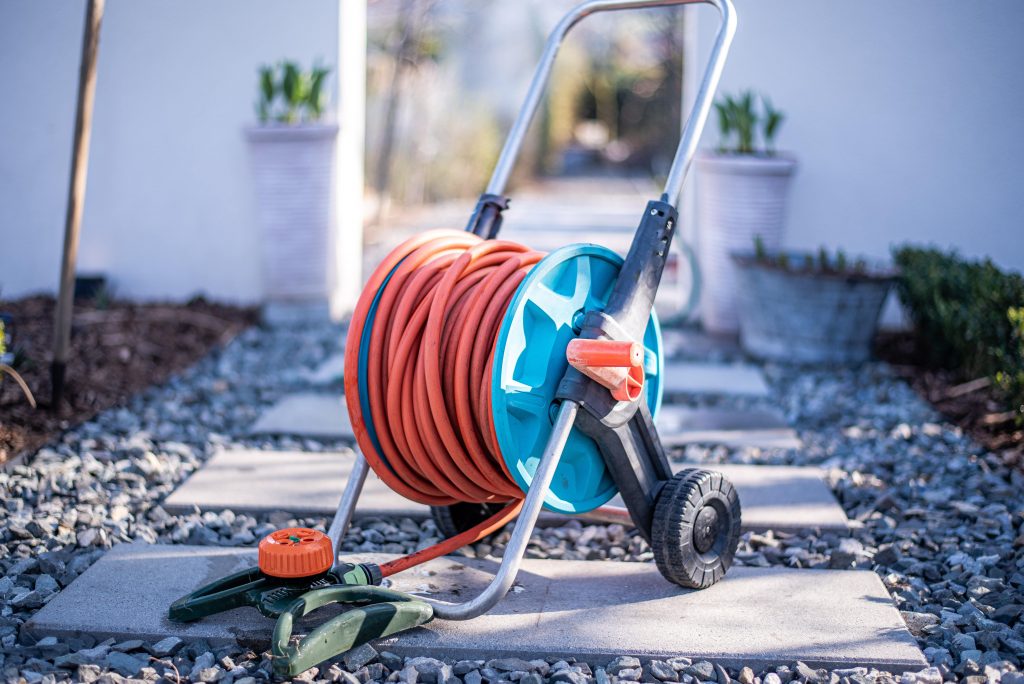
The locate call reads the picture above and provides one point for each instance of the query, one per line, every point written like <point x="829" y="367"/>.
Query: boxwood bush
<point x="968" y="315"/>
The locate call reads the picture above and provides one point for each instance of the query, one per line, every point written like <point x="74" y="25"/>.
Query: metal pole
<point x="76" y="198"/>
<point x="702" y="103"/>
<point x="347" y="505"/>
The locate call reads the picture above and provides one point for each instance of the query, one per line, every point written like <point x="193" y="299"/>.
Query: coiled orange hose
<point x="428" y="374"/>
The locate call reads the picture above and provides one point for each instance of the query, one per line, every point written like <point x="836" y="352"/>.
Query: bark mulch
<point x="971" y="403"/>
<point x="117" y="349"/>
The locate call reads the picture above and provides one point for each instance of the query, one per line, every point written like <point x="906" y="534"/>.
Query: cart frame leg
<point x="516" y="547"/>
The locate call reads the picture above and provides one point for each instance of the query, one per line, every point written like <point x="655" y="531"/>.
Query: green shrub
<point x="1010" y="377"/>
<point x="969" y="316"/>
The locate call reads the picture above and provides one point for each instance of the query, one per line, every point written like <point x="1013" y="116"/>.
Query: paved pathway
<point x="323" y="414"/>
<point x="592" y="611"/>
<point x="689" y="377"/>
<point x="936" y="519"/>
<point x="679" y="425"/>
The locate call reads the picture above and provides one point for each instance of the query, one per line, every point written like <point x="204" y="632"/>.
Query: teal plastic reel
<point x="529" y="362"/>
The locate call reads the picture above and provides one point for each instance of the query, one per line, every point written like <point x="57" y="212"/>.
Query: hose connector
<point x="365" y="574"/>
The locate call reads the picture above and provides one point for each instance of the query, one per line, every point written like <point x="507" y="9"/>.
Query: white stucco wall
<point x="904" y="115"/>
<point x="169" y="210"/>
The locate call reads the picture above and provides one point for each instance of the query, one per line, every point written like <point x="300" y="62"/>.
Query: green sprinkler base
<point x="373" y="612"/>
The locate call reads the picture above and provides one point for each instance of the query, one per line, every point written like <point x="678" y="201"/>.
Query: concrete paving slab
<point x="592" y="610"/>
<point x="679" y="425"/>
<point x="773" y="497"/>
<point x="781" y="498"/>
<point x="306" y="414"/>
<point x="323" y="415"/>
<point x="686" y="377"/>
<point x="694" y="343"/>
<point x="331" y="371"/>
<point x="303" y="483"/>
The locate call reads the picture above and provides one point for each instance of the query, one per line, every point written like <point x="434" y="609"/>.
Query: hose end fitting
<point x="613" y="364"/>
<point x="363" y="574"/>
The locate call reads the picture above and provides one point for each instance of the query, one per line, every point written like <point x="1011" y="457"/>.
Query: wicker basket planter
<point x="803" y="315"/>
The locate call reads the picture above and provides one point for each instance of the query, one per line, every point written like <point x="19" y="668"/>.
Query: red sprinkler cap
<point x="295" y="552"/>
<point x="614" y="364"/>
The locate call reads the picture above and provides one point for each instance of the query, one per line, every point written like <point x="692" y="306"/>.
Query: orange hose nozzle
<point x="614" y="364"/>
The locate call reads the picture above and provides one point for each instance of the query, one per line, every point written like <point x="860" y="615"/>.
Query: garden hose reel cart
<point x="481" y="374"/>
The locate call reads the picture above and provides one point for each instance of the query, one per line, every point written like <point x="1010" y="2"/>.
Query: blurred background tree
<point x="627" y="105"/>
<point x="446" y="78"/>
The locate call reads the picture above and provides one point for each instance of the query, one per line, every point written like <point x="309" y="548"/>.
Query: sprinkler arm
<point x="694" y="123"/>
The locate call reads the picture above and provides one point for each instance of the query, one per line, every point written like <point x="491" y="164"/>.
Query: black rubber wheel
<point x="456" y="518"/>
<point x="696" y="528"/>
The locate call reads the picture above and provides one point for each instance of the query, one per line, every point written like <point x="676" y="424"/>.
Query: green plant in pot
<point x="292" y="151"/>
<point x="808" y="307"/>
<point x="742" y="191"/>
<point x="290" y="95"/>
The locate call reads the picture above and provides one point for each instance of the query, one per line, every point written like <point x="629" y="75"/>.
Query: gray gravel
<point x="940" y="520"/>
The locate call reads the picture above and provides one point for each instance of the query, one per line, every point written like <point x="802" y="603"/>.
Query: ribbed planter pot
<point x="293" y="173"/>
<point x="808" y="317"/>
<point x="738" y="197"/>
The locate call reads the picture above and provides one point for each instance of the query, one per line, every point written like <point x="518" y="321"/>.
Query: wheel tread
<point x="676" y="509"/>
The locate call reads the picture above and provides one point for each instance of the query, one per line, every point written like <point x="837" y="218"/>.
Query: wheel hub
<point x="705" y="529"/>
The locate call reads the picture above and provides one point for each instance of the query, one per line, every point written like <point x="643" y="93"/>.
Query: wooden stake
<point x="76" y="198"/>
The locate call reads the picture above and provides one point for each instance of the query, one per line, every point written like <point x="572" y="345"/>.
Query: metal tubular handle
<point x="694" y="123"/>
<point x="566" y="418"/>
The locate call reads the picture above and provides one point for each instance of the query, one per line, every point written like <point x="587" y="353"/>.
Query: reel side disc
<point x="530" y="360"/>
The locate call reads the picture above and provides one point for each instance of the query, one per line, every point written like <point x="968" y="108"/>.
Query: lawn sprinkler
<point x="487" y="381"/>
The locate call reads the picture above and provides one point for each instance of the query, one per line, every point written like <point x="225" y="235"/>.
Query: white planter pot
<point x="738" y="197"/>
<point x="293" y="173"/>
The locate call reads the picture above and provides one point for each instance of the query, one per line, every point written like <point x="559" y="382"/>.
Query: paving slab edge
<point x="596" y="657"/>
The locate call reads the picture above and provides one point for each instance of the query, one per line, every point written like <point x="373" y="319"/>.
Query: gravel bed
<point x="941" y="522"/>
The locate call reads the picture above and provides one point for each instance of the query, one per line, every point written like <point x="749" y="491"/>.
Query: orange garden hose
<point x="428" y="375"/>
